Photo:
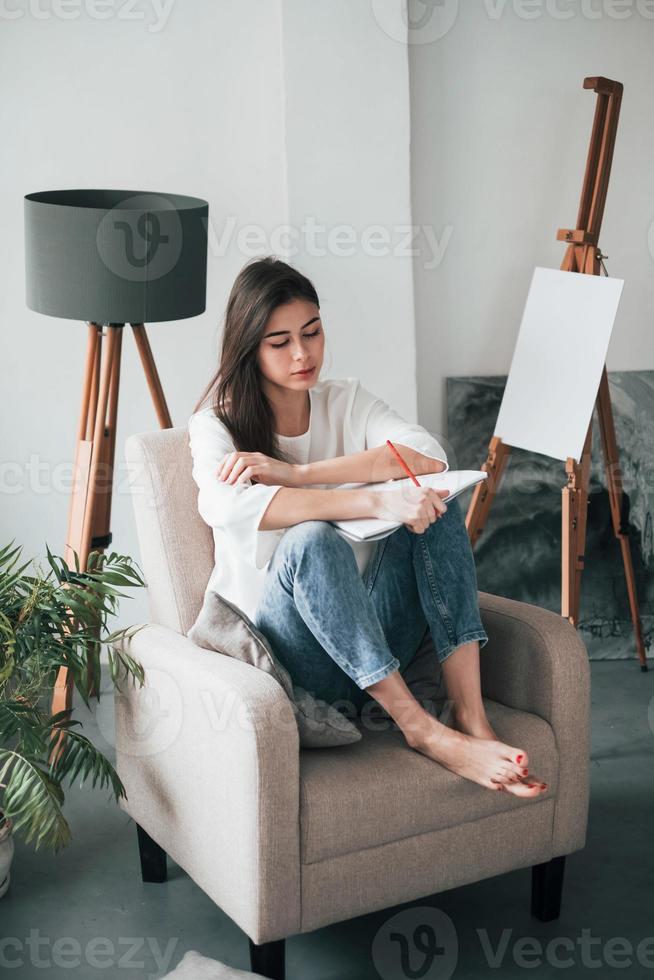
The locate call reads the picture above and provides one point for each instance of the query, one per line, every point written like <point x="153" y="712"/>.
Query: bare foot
<point x="486" y="761"/>
<point x="477" y="725"/>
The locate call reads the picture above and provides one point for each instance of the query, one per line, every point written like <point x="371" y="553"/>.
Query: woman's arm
<point x="417" y="507"/>
<point x="370" y="466"/>
<point x="291" y="505"/>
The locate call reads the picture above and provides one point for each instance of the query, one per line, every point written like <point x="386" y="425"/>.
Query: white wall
<point x="193" y="108"/>
<point x="347" y="146"/>
<point x="276" y="112"/>
<point x="500" y="131"/>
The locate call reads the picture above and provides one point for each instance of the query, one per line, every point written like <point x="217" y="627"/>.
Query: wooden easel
<point x="582" y="255"/>
<point x="90" y="503"/>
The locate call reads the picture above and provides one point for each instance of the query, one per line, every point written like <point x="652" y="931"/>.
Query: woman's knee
<point x="454" y="509"/>
<point x="453" y="516"/>
<point x="311" y="548"/>
<point x="312" y="533"/>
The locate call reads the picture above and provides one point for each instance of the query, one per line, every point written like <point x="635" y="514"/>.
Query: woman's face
<point x="292" y="342"/>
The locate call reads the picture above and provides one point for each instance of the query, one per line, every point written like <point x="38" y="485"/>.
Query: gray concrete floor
<point x="92" y="893"/>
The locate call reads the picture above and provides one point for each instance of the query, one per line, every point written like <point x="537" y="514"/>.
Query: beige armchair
<point x="286" y="840"/>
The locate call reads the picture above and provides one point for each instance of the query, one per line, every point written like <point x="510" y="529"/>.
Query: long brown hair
<point x="237" y="398"/>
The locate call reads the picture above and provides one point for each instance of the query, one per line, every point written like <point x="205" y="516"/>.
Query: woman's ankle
<point x="397" y="701"/>
<point x="421" y="725"/>
<point x="473" y="711"/>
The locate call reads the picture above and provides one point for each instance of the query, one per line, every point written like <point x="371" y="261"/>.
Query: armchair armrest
<point x="208" y="751"/>
<point x="536" y="661"/>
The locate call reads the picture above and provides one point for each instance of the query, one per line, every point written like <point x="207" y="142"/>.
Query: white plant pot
<point x="6" y="854"/>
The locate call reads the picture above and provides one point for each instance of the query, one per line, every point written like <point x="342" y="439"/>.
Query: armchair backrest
<point x="177" y="547"/>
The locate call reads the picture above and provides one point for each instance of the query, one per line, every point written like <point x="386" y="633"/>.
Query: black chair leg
<point x="153" y="857"/>
<point x="546" y="888"/>
<point x="268" y="959"/>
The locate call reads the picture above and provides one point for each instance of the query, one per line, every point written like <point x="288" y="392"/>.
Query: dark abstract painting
<point x="519" y="552"/>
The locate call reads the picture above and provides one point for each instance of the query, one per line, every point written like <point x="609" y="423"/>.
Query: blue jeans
<point x="337" y="631"/>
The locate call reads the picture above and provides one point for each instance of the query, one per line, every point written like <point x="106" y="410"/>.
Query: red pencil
<point x="402" y="463"/>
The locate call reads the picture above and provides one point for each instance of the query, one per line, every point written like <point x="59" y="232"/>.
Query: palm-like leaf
<point x="22" y="722"/>
<point x="81" y="758"/>
<point x="48" y="620"/>
<point x="33" y="800"/>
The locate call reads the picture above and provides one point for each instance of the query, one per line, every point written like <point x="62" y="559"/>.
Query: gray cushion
<point x="223" y="627"/>
<point x="196" y="967"/>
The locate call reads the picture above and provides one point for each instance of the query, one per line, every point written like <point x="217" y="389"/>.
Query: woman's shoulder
<point x="336" y="389"/>
<point x="203" y="416"/>
<point x="205" y="424"/>
<point x="347" y="393"/>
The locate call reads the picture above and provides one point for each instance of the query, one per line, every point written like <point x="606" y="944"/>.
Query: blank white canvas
<point x="557" y="363"/>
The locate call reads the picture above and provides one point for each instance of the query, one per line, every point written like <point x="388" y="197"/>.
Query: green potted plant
<point x="6" y="852"/>
<point x="50" y="620"/>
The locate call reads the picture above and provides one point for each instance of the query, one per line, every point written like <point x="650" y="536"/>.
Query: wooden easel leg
<point x="484" y="492"/>
<point x="617" y="501"/>
<point x="569" y="547"/>
<point x="574" y="499"/>
<point x="574" y="511"/>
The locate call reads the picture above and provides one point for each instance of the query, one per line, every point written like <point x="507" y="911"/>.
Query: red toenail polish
<point x="519" y="759"/>
<point x="524" y="772"/>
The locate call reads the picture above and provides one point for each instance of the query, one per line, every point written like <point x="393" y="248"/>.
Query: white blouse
<point x="345" y="418"/>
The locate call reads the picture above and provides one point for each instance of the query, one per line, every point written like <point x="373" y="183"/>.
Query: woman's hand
<point x="417" y="507"/>
<point x="239" y="467"/>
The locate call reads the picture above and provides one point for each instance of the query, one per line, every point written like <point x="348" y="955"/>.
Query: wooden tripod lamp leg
<point x="89" y="512"/>
<point x="152" y="376"/>
<point x="101" y="518"/>
<point x="63" y="688"/>
<point x="112" y="351"/>
<point x="83" y="443"/>
<point x="88" y="458"/>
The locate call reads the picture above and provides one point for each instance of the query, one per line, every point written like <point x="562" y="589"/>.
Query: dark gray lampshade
<point x="115" y="256"/>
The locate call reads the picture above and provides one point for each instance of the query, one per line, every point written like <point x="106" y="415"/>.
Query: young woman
<point x="345" y="618"/>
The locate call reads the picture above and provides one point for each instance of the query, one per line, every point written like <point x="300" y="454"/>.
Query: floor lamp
<point x="109" y="258"/>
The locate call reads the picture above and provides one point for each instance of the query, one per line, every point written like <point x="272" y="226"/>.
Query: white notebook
<point x="374" y="528"/>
